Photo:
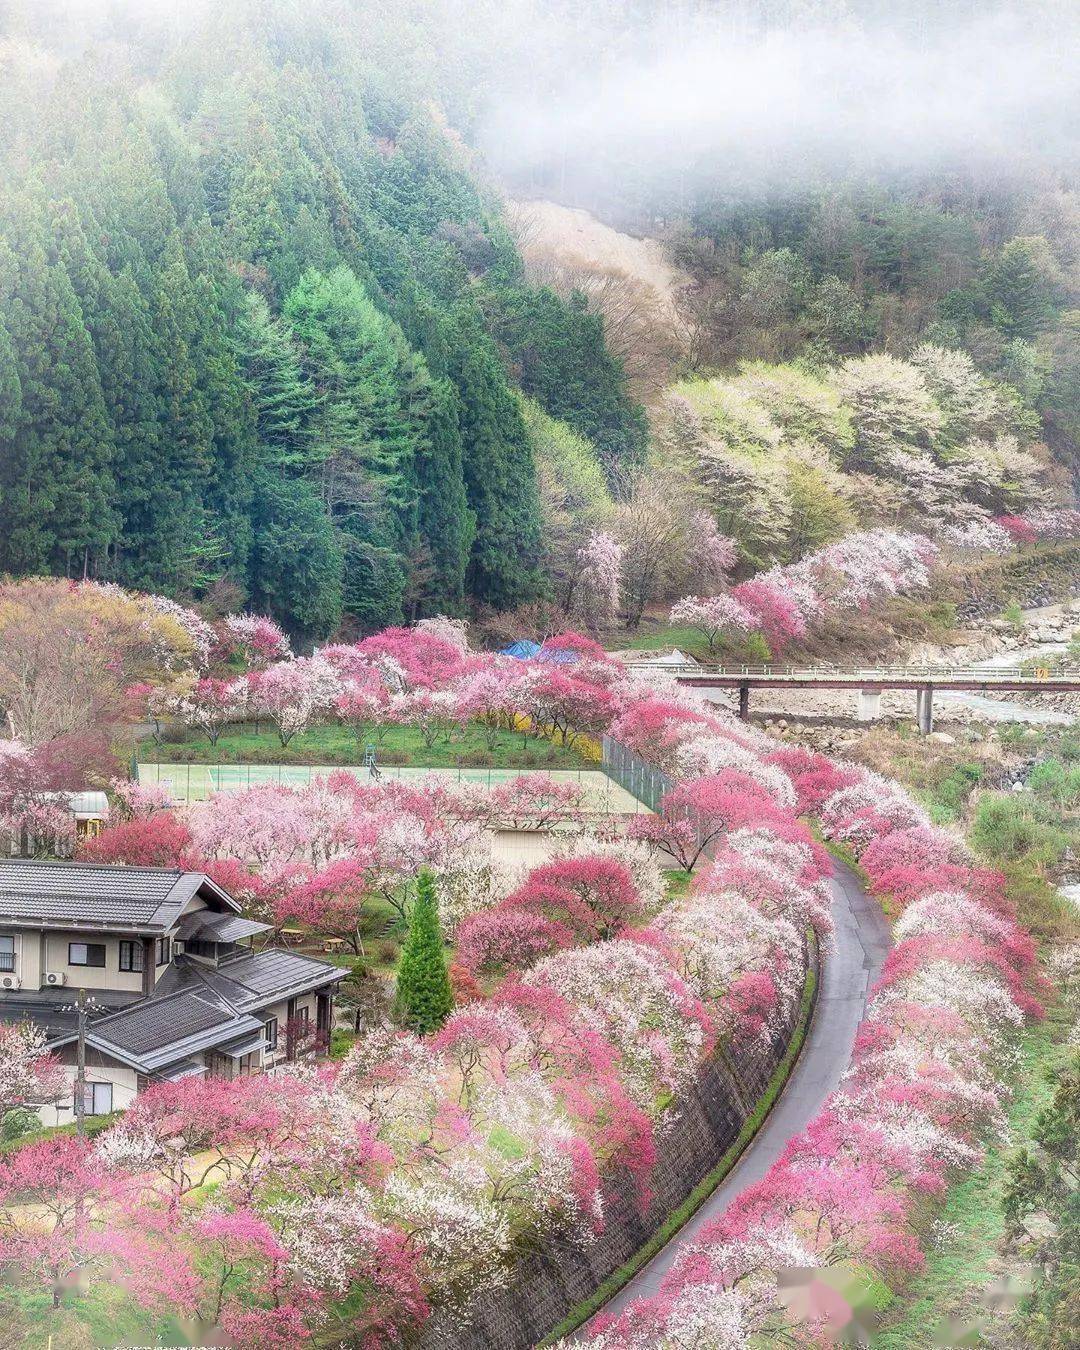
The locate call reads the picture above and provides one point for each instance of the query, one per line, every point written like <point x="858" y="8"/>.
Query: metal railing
<point x="991" y="674"/>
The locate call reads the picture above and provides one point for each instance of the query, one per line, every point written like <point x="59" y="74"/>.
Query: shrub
<point x="1010" y="828"/>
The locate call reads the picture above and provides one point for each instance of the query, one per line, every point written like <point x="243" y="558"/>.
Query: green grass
<point x="94" y="1125"/>
<point x="678" y="882"/>
<point x="591" y="1305"/>
<point x="944" y="1305"/>
<point x="102" y="1316"/>
<point x="654" y="637"/>
<point x="334" y="744"/>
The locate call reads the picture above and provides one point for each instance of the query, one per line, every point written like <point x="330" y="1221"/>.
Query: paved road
<point x="862" y="942"/>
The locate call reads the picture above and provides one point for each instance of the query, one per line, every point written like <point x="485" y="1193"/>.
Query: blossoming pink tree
<point x="599" y="584"/>
<point x="29" y="1074"/>
<point x="714" y="617"/>
<point x="255" y="638"/>
<point x="292" y="694"/>
<point x="709" y="554"/>
<point x="209" y="706"/>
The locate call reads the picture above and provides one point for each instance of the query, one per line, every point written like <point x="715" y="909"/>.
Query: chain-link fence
<point x="603" y="791"/>
<point x="641" y="780"/>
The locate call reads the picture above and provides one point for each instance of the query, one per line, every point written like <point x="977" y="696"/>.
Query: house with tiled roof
<point x="174" y="983"/>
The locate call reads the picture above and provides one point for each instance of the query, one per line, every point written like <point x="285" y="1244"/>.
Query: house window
<point x="270" y="1031"/>
<point x="97" y="1099"/>
<point x="131" y="956"/>
<point x="7" y="953"/>
<point x="164" y="951"/>
<point x="86" y="954"/>
<point x="303" y="1016"/>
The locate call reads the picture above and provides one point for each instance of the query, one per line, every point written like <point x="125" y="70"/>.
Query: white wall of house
<point x="281" y="1011"/>
<point x="124" y="1088"/>
<point x="109" y="976"/>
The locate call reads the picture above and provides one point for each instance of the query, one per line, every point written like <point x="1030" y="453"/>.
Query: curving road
<point x="861" y="945"/>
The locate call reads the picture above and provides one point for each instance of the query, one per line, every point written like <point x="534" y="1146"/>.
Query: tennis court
<point x="188" y="783"/>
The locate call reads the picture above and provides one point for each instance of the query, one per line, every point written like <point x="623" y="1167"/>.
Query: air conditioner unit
<point x="55" y="977"/>
<point x="10" y="982"/>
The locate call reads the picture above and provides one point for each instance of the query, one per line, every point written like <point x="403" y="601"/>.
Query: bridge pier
<point x="869" y="708"/>
<point x="744" y="702"/>
<point x="924" y="709"/>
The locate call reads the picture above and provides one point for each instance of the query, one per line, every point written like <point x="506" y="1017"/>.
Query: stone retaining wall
<point x="546" y="1284"/>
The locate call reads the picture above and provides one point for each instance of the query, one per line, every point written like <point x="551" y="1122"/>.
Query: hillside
<point x="263" y="328"/>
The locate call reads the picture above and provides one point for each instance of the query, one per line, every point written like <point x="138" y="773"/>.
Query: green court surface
<point x="188" y="783"/>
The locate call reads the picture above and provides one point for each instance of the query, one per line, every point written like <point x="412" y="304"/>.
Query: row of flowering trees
<point x="409" y="1176"/>
<point x="925" y="1092"/>
<point x="423" y="677"/>
<point x="782" y="604"/>
<point x="855" y="573"/>
<point x="316" y="854"/>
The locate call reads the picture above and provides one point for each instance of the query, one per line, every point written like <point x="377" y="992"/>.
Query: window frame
<point x="132" y="948"/>
<point x="88" y="947"/>
<point x="163" y="951"/>
<point x="270" y="1033"/>
<point x="90" y="1092"/>
<point x="8" y="955"/>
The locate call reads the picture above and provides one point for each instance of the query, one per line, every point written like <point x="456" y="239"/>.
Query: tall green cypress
<point x="296" y="562"/>
<point x="186" y="428"/>
<point x="374" y="400"/>
<point x="55" y="511"/>
<point x="423" y="999"/>
<point x="232" y="452"/>
<point x="500" y="475"/>
<point x="558" y="351"/>
<point x="10" y="388"/>
<point x="447" y="526"/>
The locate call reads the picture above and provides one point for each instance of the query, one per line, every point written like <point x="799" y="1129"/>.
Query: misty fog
<point x="998" y="91"/>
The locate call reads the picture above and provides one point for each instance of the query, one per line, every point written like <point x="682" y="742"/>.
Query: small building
<point x="174" y="983"/>
<point x="89" y="812"/>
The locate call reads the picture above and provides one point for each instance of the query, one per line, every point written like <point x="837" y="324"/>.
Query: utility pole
<point x="80" y="1064"/>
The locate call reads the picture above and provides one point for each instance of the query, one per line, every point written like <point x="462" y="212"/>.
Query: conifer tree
<point x="424" y="999"/>
<point x="284" y="399"/>
<point x="54" y="468"/>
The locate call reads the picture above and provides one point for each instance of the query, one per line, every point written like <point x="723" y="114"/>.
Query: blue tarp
<point x="522" y="650"/>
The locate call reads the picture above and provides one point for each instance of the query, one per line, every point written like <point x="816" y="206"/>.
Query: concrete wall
<point x="545" y="1285"/>
<point x="524" y="849"/>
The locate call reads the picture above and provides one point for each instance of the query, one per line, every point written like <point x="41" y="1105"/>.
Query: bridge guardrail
<point x="1043" y="674"/>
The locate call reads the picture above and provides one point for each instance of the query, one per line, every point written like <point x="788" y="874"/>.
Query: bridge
<point x="871" y="682"/>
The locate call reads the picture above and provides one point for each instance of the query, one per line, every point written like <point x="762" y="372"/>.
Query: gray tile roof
<point x="251" y="982"/>
<point x="78" y="894"/>
<point x="160" y="1021"/>
<point x="209" y="926"/>
<point x="160" y="1031"/>
<point x="54" y="1009"/>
